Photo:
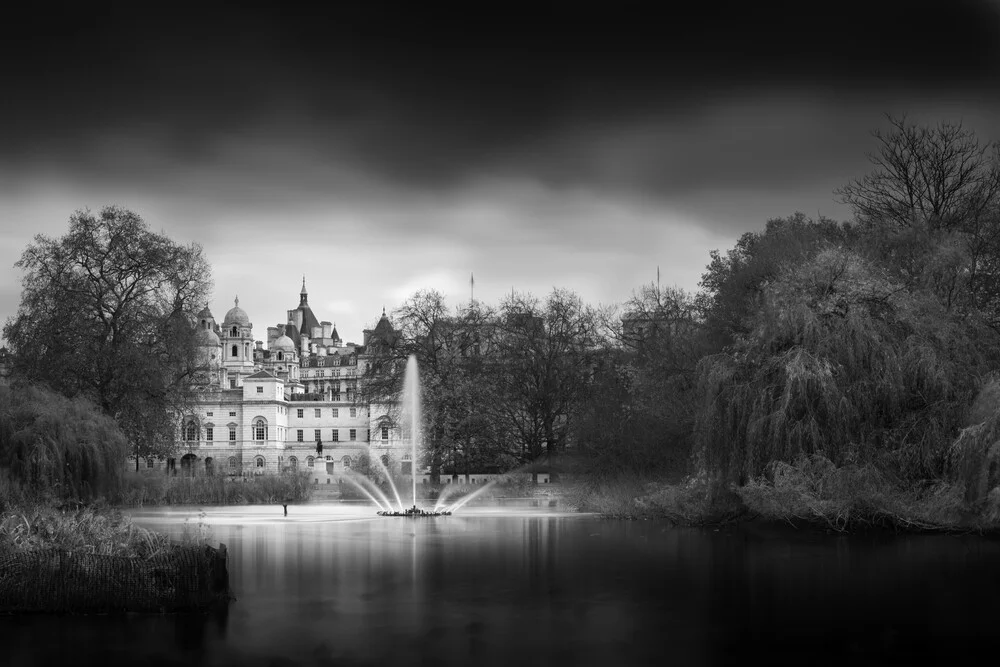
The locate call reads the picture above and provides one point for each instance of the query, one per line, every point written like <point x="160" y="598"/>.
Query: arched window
<point x="235" y="332"/>
<point x="259" y="461"/>
<point x="259" y="429"/>
<point x="236" y="350"/>
<point x="191" y="431"/>
<point x="310" y="461"/>
<point x="281" y="356"/>
<point x="385" y="460"/>
<point x="346" y="461"/>
<point x="293" y="463"/>
<point x="232" y="463"/>
<point x="209" y="466"/>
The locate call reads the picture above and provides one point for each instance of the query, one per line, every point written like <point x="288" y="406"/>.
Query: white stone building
<point x="291" y="406"/>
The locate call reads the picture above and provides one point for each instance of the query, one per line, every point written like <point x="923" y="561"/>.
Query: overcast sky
<point x="379" y="153"/>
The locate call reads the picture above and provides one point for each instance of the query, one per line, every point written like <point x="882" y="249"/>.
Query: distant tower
<point x="236" y="336"/>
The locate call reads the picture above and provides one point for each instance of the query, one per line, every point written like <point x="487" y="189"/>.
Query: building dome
<point x="205" y="314"/>
<point x="207" y="337"/>
<point x="283" y="343"/>
<point x="237" y="316"/>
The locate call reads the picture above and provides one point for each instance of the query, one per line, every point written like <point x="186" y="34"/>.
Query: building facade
<point x="293" y="405"/>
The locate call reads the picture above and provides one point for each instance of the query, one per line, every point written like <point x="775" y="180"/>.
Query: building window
<point x="310" y="462"/>
<point x="191" y="431"/>
<point x="209" y="433"/>
<point x="317" y="435"/>
<point x="354" y="434"/>
<point x="300" y="436"/>
<point x="232" y="463"/>
<point x="259" y="461"/>
<point x="149" y="463"/>
<point x="385" y="432"/>
<point x="322" y="362"/>
<point x="209" y="466"/>
<point x="209" y="414"/>
<point x="232" y="385"/>
<point x="322" y="374"/>
<point x="232" y="434"/>
<point x="336" y="413"/>
<point x="235" y="350"/>
<point x="336" y="394"/>
<point x="346" y="461"/>
<point x="318" y="413"/>
<point x="336" y="435"/>
<point x="293" y="463"/>
<point x="260" y="390"/>
<point x="259" y="429"/>
<point x="232" y="414"/>
<point x="354" y="411"/>
<point x="300" y="413"/>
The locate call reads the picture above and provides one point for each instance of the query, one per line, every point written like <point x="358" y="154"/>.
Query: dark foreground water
<point x="333" y="585"/>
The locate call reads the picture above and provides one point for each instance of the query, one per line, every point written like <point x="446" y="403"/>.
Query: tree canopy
<point x="106" y="313"/>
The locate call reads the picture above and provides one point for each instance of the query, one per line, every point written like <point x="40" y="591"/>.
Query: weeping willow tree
<point x="844" y="361"/>
<point x="58" y="445"/>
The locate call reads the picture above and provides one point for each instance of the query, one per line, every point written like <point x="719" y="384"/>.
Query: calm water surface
<point x="334" y="585"/>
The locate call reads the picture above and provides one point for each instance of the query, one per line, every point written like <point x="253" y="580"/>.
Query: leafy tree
<point x="57" y="445"/>
<point x="733" y="283"/>
<point x="640" y="414"/>
<point x="106" y="313"/>
<point x="845" y="361"/>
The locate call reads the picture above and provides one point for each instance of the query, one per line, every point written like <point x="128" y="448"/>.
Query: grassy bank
<point x="810" y="492"/>
<point x="141" y="490"/>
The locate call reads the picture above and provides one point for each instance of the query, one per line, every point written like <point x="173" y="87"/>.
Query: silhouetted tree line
<point x="866" y="341"/>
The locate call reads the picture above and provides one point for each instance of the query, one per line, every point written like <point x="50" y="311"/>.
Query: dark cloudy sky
<point x="379" y="151"/>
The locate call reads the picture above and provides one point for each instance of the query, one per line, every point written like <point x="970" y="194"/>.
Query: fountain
<point x="410" y="422"/>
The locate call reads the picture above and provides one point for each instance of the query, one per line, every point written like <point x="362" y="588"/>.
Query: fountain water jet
<point x="356" y="482"/>
<point x="471" y="496"/>
<point x="411" y="413"/>
<point x="410" y="426"/>
<point x="374" y="457"/>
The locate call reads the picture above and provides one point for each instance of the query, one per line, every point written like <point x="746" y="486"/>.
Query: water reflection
<point x="539" y="588"/>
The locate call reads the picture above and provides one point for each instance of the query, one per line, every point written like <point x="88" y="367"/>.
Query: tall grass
<point x="95" y="530"/>
<point x="140" y="490"/>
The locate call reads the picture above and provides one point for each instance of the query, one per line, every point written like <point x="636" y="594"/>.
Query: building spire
<point x="303" y="284"/>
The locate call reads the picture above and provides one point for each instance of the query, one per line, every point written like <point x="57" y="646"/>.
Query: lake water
<point x="519" y="586"/>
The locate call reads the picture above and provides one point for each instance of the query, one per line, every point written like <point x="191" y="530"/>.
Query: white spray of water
<point x="410" y="416"/>
<point x="374" y="458"/>
<point x="360" y="483"/>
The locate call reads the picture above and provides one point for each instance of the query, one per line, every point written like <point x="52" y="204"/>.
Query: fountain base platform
<point x="414" y="512"/>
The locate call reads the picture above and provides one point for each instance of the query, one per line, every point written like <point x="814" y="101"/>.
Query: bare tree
<point x="941" y="176"/>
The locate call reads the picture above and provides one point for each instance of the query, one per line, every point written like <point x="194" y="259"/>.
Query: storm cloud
<point x="379" y="150"/>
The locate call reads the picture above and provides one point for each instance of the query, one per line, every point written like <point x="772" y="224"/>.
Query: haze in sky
<point x="380" y="151"/>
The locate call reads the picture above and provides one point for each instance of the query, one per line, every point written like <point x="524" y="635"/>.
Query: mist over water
<point x="507" y="585"/>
